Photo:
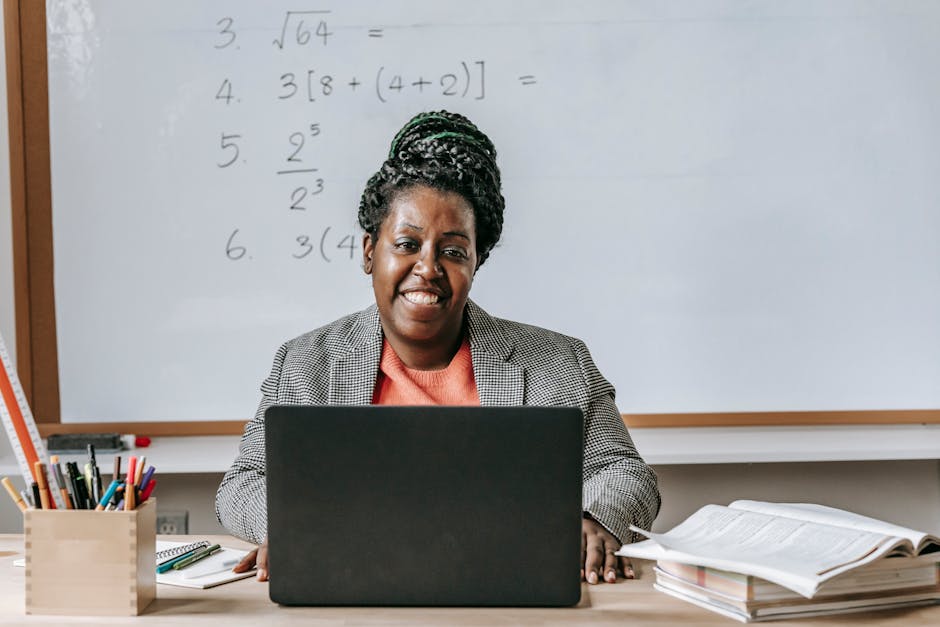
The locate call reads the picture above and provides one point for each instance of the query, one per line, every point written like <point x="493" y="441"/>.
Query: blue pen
<point x="165" y="566"/>
<point x="107" y="495"/>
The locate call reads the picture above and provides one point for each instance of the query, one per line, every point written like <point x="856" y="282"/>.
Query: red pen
<point x="146" y="493"/>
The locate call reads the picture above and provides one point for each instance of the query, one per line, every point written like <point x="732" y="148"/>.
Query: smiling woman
<point x="431" y="216"/>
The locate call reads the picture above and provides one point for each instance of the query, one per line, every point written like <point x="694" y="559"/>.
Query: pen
<point x="13" y="494"/>
<point x="90" y="483"/>
<point x="60" y="481"/>
<point x="167" y="565"/>
<point x="107" y="495"/>
<point x="116" y="476"/>
<point x="70" y="468"/>
<point x="37" y="502"/>
<point x="141" y="464"/>
<point x="96" y="474"/>
<point x="194" y="573"/>
<point x="146" y="479"/>
<point x="81" y="486"/>
<point x="192" y="559"/>
<point x="145" y="494"/>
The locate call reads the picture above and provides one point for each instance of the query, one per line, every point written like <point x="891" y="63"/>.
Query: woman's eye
<point x="455" y="252"/>
<point x="406" y="244"/>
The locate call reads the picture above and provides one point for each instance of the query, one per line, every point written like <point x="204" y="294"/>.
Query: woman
<point x="431" y="216"/>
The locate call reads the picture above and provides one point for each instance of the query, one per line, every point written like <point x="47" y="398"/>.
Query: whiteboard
<point x="735" y="204"/>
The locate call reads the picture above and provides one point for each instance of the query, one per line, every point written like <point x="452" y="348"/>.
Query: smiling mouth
<point x="421" y="298"/>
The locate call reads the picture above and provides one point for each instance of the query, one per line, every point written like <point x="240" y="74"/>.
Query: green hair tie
<point x="431" y="116"/>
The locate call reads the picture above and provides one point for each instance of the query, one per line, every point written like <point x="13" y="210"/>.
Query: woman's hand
<point x="259" y="558"/>
<point x="597" y="555"/>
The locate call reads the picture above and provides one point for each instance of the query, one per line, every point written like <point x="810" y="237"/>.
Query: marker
<point x="37" y="502"/>
<point x="212" y="569"/>
<point x="90" y="483"/>
<point x="192" y="559"/>
<point x="43" y="485"/>
<point x="142" y="484"/>
<point x="107" y="495"/>
<point x="95" y="475"/>
<point x="13" y="494"/>
<point x="165" y="566"/>
<point x="116" y="475"/>
<point x="141" y="464"/>
<point x="131" y="469"/>
<point x="63" y="487"/>
<point x="78" y="486"/>
<point x="130" y="489"/>
<point x="145" y="494"/>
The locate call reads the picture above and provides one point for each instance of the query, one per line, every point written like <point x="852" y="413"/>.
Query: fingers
<point x="610" y="564"/>
<point x="247" y="563"/>
<point x="594" y="558"/>
<point x="263" y="561"/>
<point x="598" y="555"/>
<point x="626" y="567"/>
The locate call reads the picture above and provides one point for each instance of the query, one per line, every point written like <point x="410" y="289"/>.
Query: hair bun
<point x="429" y="127"/>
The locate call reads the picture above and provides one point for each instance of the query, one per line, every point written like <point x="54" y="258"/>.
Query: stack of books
<point x="755" y="561"/>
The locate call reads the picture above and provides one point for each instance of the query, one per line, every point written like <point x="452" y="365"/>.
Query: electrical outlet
<point x="173" y="523"/>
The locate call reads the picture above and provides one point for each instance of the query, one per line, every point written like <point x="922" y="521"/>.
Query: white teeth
<point x="421" y="298"/>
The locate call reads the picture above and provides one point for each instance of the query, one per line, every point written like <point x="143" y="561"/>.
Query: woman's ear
<point x="368" y="247"/>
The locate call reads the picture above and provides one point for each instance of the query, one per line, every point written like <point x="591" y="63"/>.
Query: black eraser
<point x="78" y="442"/>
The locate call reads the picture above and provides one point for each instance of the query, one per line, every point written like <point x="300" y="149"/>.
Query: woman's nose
<point x="428" y="265"/>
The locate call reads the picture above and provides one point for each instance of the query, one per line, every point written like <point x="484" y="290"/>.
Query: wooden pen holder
<point x="82" y="562"/>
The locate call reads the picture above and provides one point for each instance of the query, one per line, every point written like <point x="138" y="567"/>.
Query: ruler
<point x="20" y="426"/>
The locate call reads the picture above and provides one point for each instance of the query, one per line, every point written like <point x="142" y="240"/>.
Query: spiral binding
<point x="176" y="551"/>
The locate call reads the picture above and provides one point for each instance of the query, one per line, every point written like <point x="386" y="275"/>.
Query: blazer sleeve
<point x="619" y="487"/>
<point x="241" y="501"/>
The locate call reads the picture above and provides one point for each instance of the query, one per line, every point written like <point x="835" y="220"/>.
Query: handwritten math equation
<point x="296" y="168"/>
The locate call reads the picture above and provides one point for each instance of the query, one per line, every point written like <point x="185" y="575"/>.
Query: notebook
<point x="216" y="568"/>
<point x="461" y="506"/>
<point x="206" y="573"/>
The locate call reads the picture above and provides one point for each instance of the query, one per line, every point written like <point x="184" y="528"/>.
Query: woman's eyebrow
<point x="458" y="234"/>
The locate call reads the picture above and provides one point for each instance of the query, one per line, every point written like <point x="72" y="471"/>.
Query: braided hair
<point x="447" y="152"/>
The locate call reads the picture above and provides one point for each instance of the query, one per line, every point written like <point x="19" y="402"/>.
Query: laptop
<point x="454" y="506"/>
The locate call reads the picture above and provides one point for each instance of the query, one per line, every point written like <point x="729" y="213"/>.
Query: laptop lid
<point x="381" y="505"/>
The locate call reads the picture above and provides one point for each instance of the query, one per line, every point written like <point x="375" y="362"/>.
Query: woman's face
<point x="422" y="265"/>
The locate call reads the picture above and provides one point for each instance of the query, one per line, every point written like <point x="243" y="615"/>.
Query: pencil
<point x="13" y="494"/>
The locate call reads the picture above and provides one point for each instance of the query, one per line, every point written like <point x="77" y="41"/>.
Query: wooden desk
<point x="246" y="602"/>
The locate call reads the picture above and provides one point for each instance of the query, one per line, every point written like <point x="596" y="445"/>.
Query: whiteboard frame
<point x="36" y="341"/>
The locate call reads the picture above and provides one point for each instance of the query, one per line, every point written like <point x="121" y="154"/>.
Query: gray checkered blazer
<point x="513" y="364"/>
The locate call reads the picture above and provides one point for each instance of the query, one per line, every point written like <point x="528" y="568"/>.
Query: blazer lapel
<point x="499" y="382"/>
<point x="352" y="375"/>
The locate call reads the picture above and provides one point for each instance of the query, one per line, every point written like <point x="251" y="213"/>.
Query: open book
<point x="798" y="546"/>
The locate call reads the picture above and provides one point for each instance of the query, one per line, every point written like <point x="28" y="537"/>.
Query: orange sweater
<point x="397" y="384"/>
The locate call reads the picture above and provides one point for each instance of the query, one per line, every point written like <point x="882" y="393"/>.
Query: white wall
<point x="906" y="492"/>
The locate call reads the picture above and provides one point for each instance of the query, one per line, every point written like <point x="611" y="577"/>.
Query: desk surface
<point x="246" y="602"/>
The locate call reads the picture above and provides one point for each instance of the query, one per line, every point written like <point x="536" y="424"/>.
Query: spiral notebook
<point x="206" y="573"/>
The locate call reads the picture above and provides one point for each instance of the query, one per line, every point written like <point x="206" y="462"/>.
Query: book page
<point x="839" y="518"/>
<point x="797" y="554"/>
